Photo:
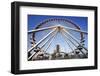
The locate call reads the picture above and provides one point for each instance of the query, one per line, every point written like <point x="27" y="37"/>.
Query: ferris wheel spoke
<point x="63" y="33"/>
<point x="75" y="39"/>
<point x="75" y="29"/>
<point x="41" y="29"/>
<point x="75" y="45"/>
<point x="51" y="27"/>
<point x="51" y="41"/>
<point x="67" y="41"/>
<point x="48" y="44"/>
<point x="41" y="40"/>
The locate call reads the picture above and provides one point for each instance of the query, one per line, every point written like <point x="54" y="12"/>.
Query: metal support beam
<point x="54" y="29"/>
<point x="41" y="40"/>
<point x="48" y="44"/>
<point x="74" y="39"/>
<point x="74" y="29"/>
<point x="66" y="41"/>
<point x="51" y="42"/>
<point x="74" y="44"/>
<point x="51" y="27"/>
<point x="42" y="29"/>
<point x="48" y="40"/>
<point x="69" y="39"/>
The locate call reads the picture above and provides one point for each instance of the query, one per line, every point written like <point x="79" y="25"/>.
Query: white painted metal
<point x="66" y="40"/>
<point x="51" y="41"/>
<point x="74" y="45"/>
<point x="74" y="29"/>
<point x="63" y="31"/>
<point x="48" y="40"/>
<point x="51" y="27"/>
<point x="42" y="40"/>
<point x="42" y="29"/>
<point x="75" y="39"/>
<point x="47" y="46"/>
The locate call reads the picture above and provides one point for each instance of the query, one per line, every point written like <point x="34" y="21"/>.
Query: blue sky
<point x="34" y="20"/>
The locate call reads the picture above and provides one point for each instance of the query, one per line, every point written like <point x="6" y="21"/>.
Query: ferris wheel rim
<point x="61" y="19"/>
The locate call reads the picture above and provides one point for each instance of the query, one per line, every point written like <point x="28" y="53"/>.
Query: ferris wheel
<point x="57" y="38"/>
